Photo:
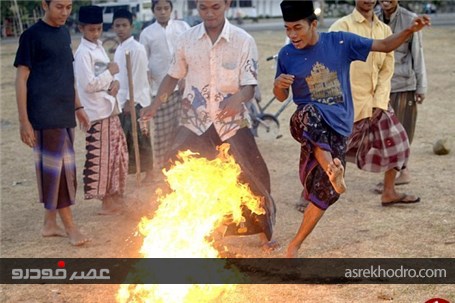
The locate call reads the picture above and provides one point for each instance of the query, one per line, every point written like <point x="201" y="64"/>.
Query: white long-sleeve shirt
<point x="139" y="70"/>
<point x="93" y="79"/>
<point x="159" y="43"/>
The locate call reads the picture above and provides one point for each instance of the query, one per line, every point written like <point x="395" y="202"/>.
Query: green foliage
<point x="26" y="7"/>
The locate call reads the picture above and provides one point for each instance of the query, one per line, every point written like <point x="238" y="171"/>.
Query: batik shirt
<point x="214" y="72"/>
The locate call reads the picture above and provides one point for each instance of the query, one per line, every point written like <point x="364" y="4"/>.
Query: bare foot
<point x="76" y="237"/>
<point x="270" y="246"/>
<point x="292" y="251"/>
<point x="335" y="171"/>
<point x="110" y="206"/>
<point x="53" y="231"/>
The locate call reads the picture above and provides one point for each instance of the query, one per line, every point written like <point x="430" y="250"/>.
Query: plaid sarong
<point x="379" y="143"/>
<point x="55" y="167"/>
<point x="106" y="161"/>
<point x="165" y="124"/>
<point x="309" y="128"/>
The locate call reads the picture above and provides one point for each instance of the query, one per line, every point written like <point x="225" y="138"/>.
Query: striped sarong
<point x="106" y="164"/>
<point x="405" y="108"/>
<point x="309" y="128"/>
<point x="379" y="143"/>
<point x="165" y="124"/>
<point x="55" y="167"/>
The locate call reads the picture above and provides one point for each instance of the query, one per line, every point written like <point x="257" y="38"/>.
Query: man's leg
<point x="50" y="227"/>
<point x="405" y="108"/>
<point x="311" y="217"/>
<point x="390" y="195"/>
<point x="333" y="168"/>
<point x="256" y="174"/>
<point x="74" y="234"/>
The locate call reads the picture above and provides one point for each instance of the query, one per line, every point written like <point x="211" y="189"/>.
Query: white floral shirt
<point x="212" y="73"/>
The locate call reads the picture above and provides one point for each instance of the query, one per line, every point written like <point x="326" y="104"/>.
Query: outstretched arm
<point x="166" y="88"/>
<point x="392" y="42"/>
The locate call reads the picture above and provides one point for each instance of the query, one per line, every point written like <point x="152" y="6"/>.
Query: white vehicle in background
<point x="142" y="9"/>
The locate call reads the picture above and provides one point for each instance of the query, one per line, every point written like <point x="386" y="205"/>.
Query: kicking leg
<point x="333" y="168"/>
<point x="311" y="217"/>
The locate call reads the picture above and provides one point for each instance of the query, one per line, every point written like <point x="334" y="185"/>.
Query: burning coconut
<point x="204" y="195"/>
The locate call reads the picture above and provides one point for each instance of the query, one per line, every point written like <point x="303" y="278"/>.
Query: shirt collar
<point x="358" y="17"/>
<point x="127" y="41"/>
<point x="392" y="17"/>
<point x="90" y="44"/>
<point x="169" y="23"/>
<point x="225" y="32"/>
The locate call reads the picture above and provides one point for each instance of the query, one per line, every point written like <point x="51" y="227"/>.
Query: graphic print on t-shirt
<point x="324" y="85"/>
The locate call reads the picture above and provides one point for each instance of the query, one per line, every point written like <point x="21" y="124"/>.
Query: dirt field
<point x="356" y="226"/>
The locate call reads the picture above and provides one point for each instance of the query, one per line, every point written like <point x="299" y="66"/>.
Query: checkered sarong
<point x="379" y="143"/>
<point x="165" y="124"/>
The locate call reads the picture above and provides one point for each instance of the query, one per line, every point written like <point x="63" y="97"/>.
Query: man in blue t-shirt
<point x="48" y="106"/>
<point x="316" y="66"/>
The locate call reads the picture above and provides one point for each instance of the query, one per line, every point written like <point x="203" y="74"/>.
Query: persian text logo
<point x="59" y="274"/>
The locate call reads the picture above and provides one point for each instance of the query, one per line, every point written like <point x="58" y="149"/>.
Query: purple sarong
<point x="309" y="128"/>
<point x="55" y="167"/>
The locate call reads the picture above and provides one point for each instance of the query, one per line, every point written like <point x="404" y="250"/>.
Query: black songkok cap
<point x="123" y="13"/>
<point x="91" y="14"/>
<point x="296" y="10"/>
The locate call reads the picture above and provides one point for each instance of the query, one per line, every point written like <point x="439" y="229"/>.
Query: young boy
<point x="47" y="104"/>
<point x="123" y="27"/>
<point x="106" y="164"/>
<point x="160" y="40"/>
<point x="316" y="66"/>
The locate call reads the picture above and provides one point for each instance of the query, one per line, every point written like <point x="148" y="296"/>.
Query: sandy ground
<point x="356" y="226"/>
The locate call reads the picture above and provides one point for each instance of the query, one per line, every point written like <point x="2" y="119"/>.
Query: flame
<point x="204" y="194"/>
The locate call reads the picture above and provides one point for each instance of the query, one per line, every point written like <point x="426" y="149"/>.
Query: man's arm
<point x="234" y="104"/>
<point x="281" y="86"/>
<point x="81" y="115"/>
<point x="166" y="88"/>
<point x="392" y="42"/>
<point x="26" y="130"/>
<point x="419" y="67"/>
<point x="381" y="94"/>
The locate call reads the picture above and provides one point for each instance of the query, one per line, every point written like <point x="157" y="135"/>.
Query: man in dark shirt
<point x="47" y="104"/>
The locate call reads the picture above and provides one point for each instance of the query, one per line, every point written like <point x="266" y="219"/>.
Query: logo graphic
<point x="59" y="273"/>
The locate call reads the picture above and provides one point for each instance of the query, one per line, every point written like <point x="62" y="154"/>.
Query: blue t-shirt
<point x="46" y="51"/>
<point x="322" y="75"/>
